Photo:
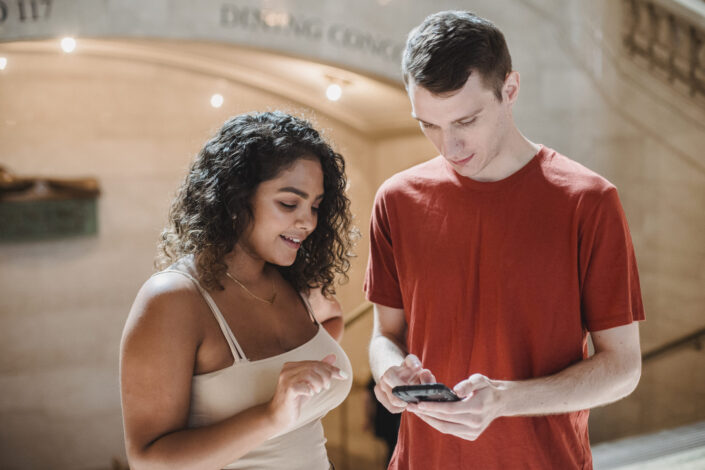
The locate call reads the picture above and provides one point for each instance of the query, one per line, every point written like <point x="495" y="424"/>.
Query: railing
<point x="668" y="36"/>
<point x="361" y="311"/>
<point x="694" y="339"/>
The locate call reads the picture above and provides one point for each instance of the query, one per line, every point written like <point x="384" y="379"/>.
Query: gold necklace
<point x="270" y="301"/>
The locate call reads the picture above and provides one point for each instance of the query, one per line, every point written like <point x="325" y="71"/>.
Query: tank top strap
<point x="235" y="349"/>
<point x="308" y="308"/>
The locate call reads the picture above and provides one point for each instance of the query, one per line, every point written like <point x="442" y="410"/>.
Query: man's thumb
<point x="469" y="385"/>
<point x="426" y="377"/>
<point x="412" y="362"/>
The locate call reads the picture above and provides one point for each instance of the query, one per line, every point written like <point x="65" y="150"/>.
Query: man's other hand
<point x="480" y="404"/>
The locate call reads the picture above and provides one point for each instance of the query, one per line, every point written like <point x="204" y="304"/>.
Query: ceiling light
<point x="68" y="45"/>
<point x="3" y="63"/>
<point x="217" y="100"/>
<point x="334" y="92"/>
<point x="336" y="83"/>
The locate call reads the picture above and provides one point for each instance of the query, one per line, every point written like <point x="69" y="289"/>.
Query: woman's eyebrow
<point x="297" y="191"/>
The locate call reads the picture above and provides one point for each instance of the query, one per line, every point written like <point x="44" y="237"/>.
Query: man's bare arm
<point x="388" y="344"/>
<point x="389" y="360"/>
<point x="610" y="374"/>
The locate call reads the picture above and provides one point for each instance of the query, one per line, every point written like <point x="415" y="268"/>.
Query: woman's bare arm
<point x="157" y="359"/>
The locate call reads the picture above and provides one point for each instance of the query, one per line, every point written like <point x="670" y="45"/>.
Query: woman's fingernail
<point x="343" y="375"/>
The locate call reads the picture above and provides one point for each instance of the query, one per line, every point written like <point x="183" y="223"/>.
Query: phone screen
<point x="424" y="392"/>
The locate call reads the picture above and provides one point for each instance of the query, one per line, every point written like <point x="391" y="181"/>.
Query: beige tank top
<point x="222" y="393"/>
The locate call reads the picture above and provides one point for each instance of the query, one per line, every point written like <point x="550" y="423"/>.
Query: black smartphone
<point x="424" y="392"/>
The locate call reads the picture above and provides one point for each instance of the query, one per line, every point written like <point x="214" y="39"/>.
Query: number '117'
<point x="28" y="10"/>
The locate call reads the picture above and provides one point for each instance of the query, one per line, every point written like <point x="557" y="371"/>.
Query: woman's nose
<point x="307" y="220"/>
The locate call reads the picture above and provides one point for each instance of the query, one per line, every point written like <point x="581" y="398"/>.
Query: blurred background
<point x="105" y="103"/>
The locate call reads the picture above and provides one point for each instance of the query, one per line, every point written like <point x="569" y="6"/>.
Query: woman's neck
<point x="246" y="266"/>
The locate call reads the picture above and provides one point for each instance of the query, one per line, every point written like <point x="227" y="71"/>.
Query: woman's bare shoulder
<point x="166" y="302"/>
<point x="324" y="308"/>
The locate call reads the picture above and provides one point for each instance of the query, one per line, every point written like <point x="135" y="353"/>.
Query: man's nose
<point x="450" y="144"/>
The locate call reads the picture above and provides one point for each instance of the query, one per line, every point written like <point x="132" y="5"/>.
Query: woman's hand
<point x="297" y="382"/>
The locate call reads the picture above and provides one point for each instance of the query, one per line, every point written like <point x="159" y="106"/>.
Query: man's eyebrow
<point x="417" y="118"/>
<point x="298" y="192"/>
<point x="468" y="116"/>
<point x="421" y="120"/>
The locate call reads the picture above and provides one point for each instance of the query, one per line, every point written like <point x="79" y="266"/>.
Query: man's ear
<point x="510" y="89"/>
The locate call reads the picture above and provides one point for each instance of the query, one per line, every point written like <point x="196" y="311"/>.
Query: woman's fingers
<point x="324" y="368"/>
<point x="301" y="388"/>
<point x="317" y="375"/>
<point x="318" y="380"/>
<point x="337" y="372"/>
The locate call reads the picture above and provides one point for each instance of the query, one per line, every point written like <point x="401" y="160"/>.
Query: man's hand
<point x="481" y="402"/>
<point x="410" y="372"/>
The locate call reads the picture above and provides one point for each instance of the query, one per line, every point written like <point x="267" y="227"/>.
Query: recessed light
<point x="68" y="44"/>
<point x="334" y="92"/>
<point x="217" y="100"/>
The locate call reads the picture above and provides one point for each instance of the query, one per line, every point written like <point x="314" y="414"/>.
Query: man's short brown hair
<point x="448" y="46"/>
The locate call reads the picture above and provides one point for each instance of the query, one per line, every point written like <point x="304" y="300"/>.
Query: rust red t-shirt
<point x="504" y="279"/>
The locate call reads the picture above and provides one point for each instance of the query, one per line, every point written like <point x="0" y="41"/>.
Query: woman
<point x="224" y="364"/>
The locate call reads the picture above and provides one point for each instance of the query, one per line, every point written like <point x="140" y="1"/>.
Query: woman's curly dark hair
<point x="212" y="207"/>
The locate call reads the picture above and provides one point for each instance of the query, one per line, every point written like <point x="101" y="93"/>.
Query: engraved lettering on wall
<point x="284" y="23"/>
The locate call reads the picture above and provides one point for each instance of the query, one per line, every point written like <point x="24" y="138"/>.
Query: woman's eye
<point x="288" y="206"/>
<point x="467" y="123"/>
<point x="314" y="210"/>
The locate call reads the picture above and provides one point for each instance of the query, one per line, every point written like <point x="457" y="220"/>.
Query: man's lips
<point x="463" y="161"/>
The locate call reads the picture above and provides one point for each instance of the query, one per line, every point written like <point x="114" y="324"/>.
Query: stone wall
<point x="136" y="125"/>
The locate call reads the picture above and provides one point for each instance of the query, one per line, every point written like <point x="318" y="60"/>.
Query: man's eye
<point x="467" y="123"/>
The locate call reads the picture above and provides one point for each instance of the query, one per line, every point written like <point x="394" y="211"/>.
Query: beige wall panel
<point x="647" y="138"/>
<point x="136" y="127"/>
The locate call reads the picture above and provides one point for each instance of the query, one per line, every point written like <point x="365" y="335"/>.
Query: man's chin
<point x="466" y="172"/>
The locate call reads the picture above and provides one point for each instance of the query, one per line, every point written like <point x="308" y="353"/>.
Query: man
<point x="489" y="265"/>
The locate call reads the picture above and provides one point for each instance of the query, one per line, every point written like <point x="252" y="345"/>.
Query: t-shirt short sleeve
<point x="610" y="292"/>
<point x="381" y="279"/>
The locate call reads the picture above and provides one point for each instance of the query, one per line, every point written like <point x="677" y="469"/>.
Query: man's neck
<point x="511" y="157"/>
